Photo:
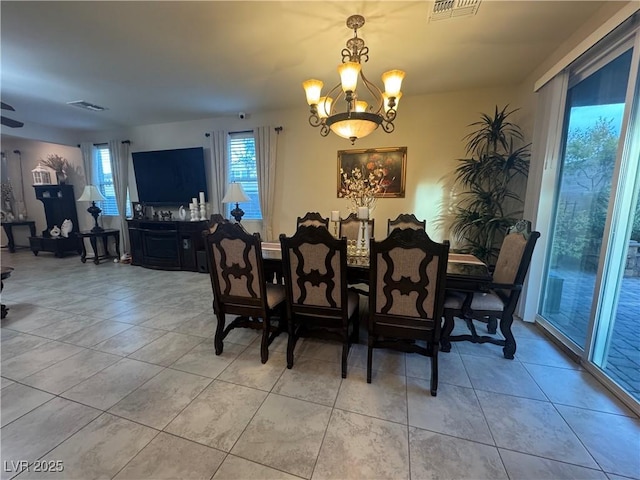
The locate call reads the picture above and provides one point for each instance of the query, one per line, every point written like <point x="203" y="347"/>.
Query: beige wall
<point x="430" y="126"/>
<point x="31" y="151"/>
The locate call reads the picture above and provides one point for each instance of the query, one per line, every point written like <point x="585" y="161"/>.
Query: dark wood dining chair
<point x="313" y="219"/>
<point x="502" y="295"/>
<point x="350" y="227"/>
<point x="214" y="220"/>
<point x="407" y="288"/>
<point x="318" y="302"/>
<point x="239" y="286"/>
<point x="405" y="220"/>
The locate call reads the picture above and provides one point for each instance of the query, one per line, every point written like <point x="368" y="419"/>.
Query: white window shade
<point x="242" y="169"/>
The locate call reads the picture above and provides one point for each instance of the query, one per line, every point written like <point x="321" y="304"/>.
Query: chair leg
<point x="509" y="349"/>
<point x="345" y="354"/>
<point x="217" y="339"/>
<point x="264" y="344"/>
<point x="446" y="331"/>
<point x="369" y="358"/>
<point x="291" y="344"/>
<point x="492" y="325"/>
<point x="434" y="369"/>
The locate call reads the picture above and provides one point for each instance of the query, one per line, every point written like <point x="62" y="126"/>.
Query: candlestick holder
<point x="335" y="229"/>
<point x="203" y="211"/>
<point x="193" y="210"/>
<point x="363" y="245"/>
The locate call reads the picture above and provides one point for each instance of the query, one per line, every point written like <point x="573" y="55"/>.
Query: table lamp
<point x="235" y="194"/>
<point x="93" y="195"/>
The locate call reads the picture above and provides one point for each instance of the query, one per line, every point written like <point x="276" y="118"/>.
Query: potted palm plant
<point x="490" y="202"/>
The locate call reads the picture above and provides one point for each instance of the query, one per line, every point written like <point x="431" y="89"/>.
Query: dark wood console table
<point x="166" y="245"/>
<point x="8" y="229"/>
<point x="93" y="239"/>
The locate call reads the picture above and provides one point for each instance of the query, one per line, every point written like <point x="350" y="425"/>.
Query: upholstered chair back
<point x="314" y="263"/>
<point x="405" y="220"/>
<point x="236" y="263"/>
<point x="313" y="219"/>
<point x="350" y="227"/>
<point x="409" y="275"/>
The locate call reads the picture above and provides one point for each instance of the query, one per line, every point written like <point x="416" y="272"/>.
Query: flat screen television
<point x="170" y="177"/>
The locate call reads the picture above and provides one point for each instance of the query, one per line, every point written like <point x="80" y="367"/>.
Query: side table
<point x="8" y="229"/>
<point x="93" y="239"/>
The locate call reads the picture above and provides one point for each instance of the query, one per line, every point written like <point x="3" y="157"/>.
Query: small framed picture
<point x="138" y="210"/>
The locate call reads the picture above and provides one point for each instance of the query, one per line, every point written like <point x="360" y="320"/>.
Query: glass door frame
<point x="611" y="254"/>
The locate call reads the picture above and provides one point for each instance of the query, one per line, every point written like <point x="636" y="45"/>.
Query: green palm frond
<point x="479" y="221"/>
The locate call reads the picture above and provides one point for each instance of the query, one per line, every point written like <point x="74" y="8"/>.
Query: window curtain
<point x="541" y="185"/>
<point x="119" y="155"/>
<point x="266" y="140"/>
<point x="87" y="150"/>
<point x="218" y="183"/>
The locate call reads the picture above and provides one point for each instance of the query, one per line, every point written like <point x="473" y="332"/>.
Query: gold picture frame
<point x="391" y="161"/>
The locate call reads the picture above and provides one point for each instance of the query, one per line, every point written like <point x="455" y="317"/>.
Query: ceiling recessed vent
<point x="87" y="106"/>
<point x="443" y="9"/>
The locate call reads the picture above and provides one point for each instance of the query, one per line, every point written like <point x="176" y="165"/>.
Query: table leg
<point x="117" y="238"/>
<point x="105" y="241"/>
<point x="32" y="229"/>
<point x="94" y="245"/>
<point x="8" y="229"/>
<point x="83" y="256"/>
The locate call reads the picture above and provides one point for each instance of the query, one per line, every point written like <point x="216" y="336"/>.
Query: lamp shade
<point x="91" y="194"/>
<point x="235" y="194"/>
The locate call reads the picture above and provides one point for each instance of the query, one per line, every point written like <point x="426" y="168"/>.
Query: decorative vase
<point x="61" y="177"/>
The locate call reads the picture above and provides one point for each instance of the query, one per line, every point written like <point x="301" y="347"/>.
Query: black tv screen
<point x="170" y="177"/>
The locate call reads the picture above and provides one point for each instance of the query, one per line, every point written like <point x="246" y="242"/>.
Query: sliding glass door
<point x="591" y="294"/>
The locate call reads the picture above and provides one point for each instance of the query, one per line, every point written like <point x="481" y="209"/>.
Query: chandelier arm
<point x="388" y="126"/>
<point x="375" y="92"/>
<point x="315" y="120"/>
<point x="324" y="130"/>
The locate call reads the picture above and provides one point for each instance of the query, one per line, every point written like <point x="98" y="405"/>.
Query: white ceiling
<point x="156" y="62"/>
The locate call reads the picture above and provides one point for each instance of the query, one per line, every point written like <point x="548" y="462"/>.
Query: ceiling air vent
<point x="443" y="9"/>
<point x="87" y="106"/>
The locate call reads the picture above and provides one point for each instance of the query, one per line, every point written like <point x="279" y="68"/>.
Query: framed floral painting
<point x="372" y="173"/>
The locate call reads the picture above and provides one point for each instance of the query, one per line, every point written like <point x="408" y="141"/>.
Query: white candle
<point x="335" y="215"/>
<point x="201" y="197"/>
<point x="194" y="200"/>
<point x="363" y="213"/>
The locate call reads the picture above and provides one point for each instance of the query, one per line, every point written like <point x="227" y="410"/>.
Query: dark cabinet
<point x="59" y="205"/>
<point x="166" y="245"/>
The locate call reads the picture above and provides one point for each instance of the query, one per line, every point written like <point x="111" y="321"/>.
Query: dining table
<point x="465" y="273"/>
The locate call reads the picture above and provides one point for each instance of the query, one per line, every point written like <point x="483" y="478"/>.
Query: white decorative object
<point x="182" y="213"/>
<point x="203" y="211"/>
<point x="363" y="213"/>
<point x="41" y="175"/>
<point x="66" y="228"/>
<point x="193" y="209"/>
<point x="55" y="231"/>
<point x="201" y="195"/>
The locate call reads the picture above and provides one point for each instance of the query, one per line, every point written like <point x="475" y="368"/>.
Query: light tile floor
<point x="110" y="370"/>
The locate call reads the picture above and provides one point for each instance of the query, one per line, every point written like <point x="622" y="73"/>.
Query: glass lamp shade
<point x="353" y="125"/>
<point x="235" y="194"/>
<point x="313" y="88"/>
<point x="392" y="82"/>
<point x="349" y="72"/>
<point x="386" y="102"/>
<point x="324" y="107"/>
<point x="91" y="194"/>
<point x="361" y="106"/>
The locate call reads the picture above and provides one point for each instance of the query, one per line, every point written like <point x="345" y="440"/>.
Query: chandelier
<point x="360" y="118"/>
